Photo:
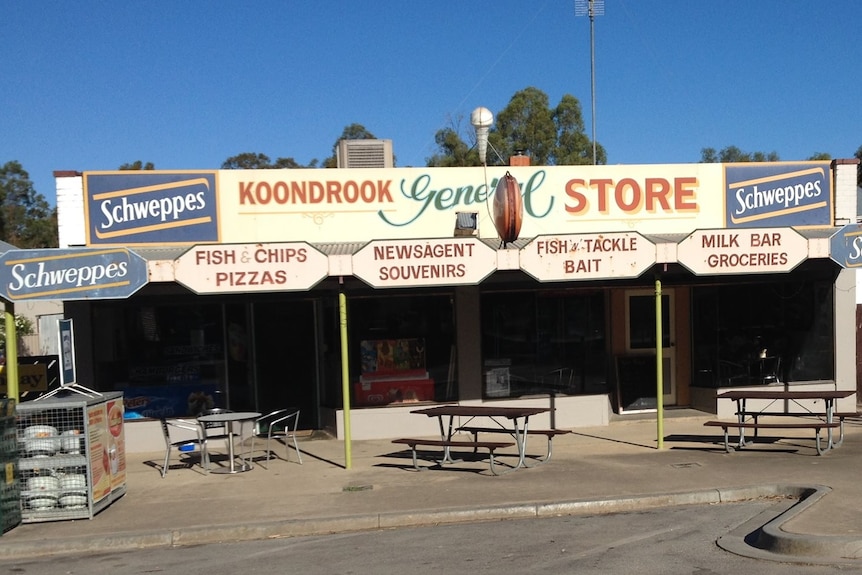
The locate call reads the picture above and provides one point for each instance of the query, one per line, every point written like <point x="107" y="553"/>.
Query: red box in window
<point x="385" y="392"/>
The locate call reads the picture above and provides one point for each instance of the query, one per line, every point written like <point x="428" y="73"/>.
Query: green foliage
<point x="246" y="161"/>
<point x="351" y="132"/>
<point x="453" y="151"/>
<point x="252" y="161"/>
<point x="26" y="219"/>
<point x="732" y="154"/>
<point x="574" y="147"/>
<point x="23" y="326"/>
<point x="138" y="165"/>
<point x="528" y="125"/>
<point x="858" y="156"/>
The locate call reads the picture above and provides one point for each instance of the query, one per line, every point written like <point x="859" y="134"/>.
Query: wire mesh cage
<point x="56" y="474"/>
<point x="10" y="496"/>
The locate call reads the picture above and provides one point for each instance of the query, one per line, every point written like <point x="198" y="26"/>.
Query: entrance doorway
<point x="285" y="353"/>
<point x="641" y="334"/>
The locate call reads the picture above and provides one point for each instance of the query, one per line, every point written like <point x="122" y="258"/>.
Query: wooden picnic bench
<point x="491" y="446"/>
<point x="550" y="434"/>
<point x="839" y="416"/>
<point x="513" y="419"/>
<point x="803" y="399"/>
<point x="817" y="426"/>
<point x="842" y="415"/>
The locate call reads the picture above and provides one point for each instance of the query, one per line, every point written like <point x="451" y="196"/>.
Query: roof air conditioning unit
<point x="364" y="154"/>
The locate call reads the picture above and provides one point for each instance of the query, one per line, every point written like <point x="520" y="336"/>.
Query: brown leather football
<point x="508" y="208"/>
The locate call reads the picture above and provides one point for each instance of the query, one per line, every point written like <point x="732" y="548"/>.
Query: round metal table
<point x="229" y="419"/>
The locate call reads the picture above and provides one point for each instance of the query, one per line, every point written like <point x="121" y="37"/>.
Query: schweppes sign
<point x="778" y="195"/>
<point x="150" y="207"/>
<point x="71" y="274"/>
<point x="845" y="246"/>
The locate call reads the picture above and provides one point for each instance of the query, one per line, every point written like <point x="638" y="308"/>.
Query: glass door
<point x="641" y="333"/>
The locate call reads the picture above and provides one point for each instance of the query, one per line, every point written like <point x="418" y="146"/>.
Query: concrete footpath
<point x="593" y="470"/>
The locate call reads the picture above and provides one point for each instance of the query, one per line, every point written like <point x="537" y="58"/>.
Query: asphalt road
<point x="678" y="540"/>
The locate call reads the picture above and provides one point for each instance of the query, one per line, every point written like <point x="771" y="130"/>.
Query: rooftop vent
<point x="365" y="154"/>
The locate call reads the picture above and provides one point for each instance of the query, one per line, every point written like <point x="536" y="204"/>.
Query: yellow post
<point x="345" y="377"/>
<point x="11" y="352"/>
<point x="659" y="392"/>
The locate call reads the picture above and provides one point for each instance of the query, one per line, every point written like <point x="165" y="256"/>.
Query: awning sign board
<point x="240" y="268"/>
<point x="742" y="251"/>
<point x="427" y="262"/>
<point x="845" y="246"/>
<point x="574" y="257"/>
<point x="72" y="274"/>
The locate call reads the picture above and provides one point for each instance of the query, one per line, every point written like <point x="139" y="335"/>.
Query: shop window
<point x="168" y="360"/>
<point x="762" y="333"/>
<point x="402" y="349"/>
<point x="543" y="342"/>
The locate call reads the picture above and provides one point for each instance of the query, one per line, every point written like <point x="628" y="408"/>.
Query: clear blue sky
<point x="94" y="84"/>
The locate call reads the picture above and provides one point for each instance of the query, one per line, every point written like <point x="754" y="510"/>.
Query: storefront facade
<point x="245" y="269"/>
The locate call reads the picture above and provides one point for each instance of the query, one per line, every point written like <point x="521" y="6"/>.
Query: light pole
<point x="591" y="8"/>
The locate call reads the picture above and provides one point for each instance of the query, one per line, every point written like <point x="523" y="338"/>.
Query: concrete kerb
<point x="761" y="538"/>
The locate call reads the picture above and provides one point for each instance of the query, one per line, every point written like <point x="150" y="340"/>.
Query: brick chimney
<point x="519" y="159"/>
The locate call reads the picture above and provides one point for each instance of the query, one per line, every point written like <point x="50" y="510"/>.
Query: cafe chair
<point x="214" y="431"/>
<point x="280" y="424"/>
<point x="770" y="369"/>
<point x="185" y="437"/>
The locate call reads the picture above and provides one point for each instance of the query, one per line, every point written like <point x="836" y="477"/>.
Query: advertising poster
<point x="100" y="466"/>
<point x="67" y="352"/>
<point x="116" y="445"/>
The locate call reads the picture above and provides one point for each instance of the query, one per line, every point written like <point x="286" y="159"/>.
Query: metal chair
<point x="281" y="423"/>
<point x="193" y="436"/>
<point x="770" y="369"/>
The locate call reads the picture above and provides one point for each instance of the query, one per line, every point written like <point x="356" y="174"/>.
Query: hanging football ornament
<point x="508" y="208"/>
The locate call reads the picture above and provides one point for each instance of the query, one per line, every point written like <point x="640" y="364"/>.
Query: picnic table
<point x="508" y="420"/>
<point x="805" y="417"/>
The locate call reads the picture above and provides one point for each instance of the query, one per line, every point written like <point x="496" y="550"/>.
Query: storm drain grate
<point x="685" y="465"/>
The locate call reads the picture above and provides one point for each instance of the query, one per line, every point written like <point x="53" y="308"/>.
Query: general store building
<point x="245" y="272"/>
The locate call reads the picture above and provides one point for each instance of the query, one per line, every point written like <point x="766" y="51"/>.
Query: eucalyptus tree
<point x="256" y="161"/>
<point x="732" y="154"/>
<point x="351" y="132"/>
<point x="527" y="125"/>
<point x="26" y="218"/>
<point x="138" y="165"/>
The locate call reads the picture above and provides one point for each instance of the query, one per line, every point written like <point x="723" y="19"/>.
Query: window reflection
<point x="543" y="342"/>
<point x="762" y="333"/>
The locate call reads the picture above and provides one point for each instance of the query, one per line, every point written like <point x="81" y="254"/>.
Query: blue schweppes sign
<point x="71" y="274"/>
<point x="845" y="246"/>
<point x="150" y="207"/>
<point x="778" y="194"/>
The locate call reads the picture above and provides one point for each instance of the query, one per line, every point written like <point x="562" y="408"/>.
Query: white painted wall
<point x="70" y="211"/>
<point x="391" y="422"/>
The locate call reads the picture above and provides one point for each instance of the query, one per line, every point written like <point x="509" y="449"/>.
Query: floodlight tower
<point x="591" y="8"/>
